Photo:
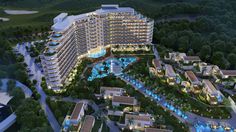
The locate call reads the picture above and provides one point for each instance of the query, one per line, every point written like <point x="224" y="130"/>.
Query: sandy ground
<point x="19" y="12"/>
<point x="4" y="19"/>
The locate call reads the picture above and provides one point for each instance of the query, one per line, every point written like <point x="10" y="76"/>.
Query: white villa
<point x="213" y="95"/>
<point x="170" y="74"/>
<point x="140" y="121"/>
<point x="109" y="92"/>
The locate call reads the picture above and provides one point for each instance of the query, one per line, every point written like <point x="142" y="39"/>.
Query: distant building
<point x="123" y="100"/>
<point x="195" y="83"/>
<point x="89" y="34"/>
<point x="208" y="70"/>
<point x="88" y="124"/>
<point x="158" y="66"/>
<point x="228" y="77"/>
<point x="191" y="59"/>
<point x="139" y="121"/>
<point x="157" y="130"/>
<point x="170" y="74"/>
<point x="77" y="113"/>
<point x="109" y="92"/>
<point x="213" y="95"/>
<point x="175" y="56"/>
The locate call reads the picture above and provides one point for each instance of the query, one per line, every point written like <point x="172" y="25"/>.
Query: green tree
<point x="205" y="52"/>
<point x="232" y="60"/>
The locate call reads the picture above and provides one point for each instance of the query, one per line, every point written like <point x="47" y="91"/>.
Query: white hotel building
<point x="89" y="34"/>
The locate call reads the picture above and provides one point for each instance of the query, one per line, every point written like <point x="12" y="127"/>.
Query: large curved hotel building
<point x="83" y="35"/>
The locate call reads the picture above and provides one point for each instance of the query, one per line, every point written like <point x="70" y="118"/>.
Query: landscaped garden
<point x="174" y="93"/>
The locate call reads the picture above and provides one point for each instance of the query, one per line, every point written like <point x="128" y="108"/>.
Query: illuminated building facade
<point x="89" y="34"/>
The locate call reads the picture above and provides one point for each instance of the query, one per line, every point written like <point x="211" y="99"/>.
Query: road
<point x="37" y="75"/>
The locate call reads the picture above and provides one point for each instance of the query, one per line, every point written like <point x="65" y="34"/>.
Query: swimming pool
<point x="110" y="66"/>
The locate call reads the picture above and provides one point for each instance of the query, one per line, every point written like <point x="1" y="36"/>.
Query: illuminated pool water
<point x="103" y="69"/>
<point x="98" y="54"/>
<point x="140" y="86"/>
<point x="204" y="127"/>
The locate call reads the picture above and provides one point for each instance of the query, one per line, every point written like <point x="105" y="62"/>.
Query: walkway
<point x="187" y="117"/>
<point x="37" y="75"/>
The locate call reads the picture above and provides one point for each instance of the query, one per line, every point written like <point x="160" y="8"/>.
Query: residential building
<point x="191" y="59"/>
<point x="77" y="113"/>
<point x="208" y="70"/>
<point x="88" y="124"/>
<point x="170" y="74"/>
<point x="109" y="92"/>
<point x="89" y="34"/>
<point x="212" y="95"/>
<point x="123" y="100"/>
<point x="140" y="121"/>
<point x="228" y="77"/>
<point x="157" y="130"/>
<point x="175" y="56"/>
<point x="195" y="83"/>
<point x="158" y="66"/>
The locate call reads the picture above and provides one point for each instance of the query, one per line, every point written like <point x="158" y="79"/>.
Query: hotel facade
<point x="74" y="37"/>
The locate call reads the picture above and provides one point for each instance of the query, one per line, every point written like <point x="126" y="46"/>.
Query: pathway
<point x="37" y="75"/>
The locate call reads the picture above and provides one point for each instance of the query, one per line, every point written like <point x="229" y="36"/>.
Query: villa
<point x="109" y="92"/>
<point x="208" y="70"/>
<point x="228" y="78"/>
<point x="175" y="56"/>
<point x="88" y="124"/>
<point x="191" y="59"/>
<point x="123" y="100"/>
<point x="194" y="81"/>
<point x="140" y="121"/>
<point x="157" y="130"/>
<point x="157" y="65"/>
<point x="88" y="35"/>
<point x="77" y="113"/>
<point x="213" y="95"/>
<point x="170" y="74"/>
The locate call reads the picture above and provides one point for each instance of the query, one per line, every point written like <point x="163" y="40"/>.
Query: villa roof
<point x="170" y="71"/>
<point x="77" y="110"/>
<point x="229" y="72"/>
<point x="156" y="130"/>
<point x="124" y="99"/>
<point x="111" y="89"/>
<point x="88" y="124"/>
<point x="191" y="76"/>
<point x="210" y="87"/>
<point x="138" y="117"/>
<point x="157" y="63"/>
<point x="191" y="58"/>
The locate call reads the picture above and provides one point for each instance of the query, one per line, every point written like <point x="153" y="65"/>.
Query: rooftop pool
<point x="98" y="54"/>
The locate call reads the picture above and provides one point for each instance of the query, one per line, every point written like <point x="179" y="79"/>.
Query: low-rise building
<point x="228" y="77"/>
<point x="175" y="56"/>
<point x="140" y="121"/>
<point x="158" y="66"/>
<point x="208" y="70"/>
<point x="195" y="83"/>
<point x="109" y="92"/>
<point x="123" y="100"/>
<point x="212" y="95"/>
<point x="157" y="130"/>
<point x="191" y="59"/>
<point x="77" y="113"/>
<point x="88" y="124"/>
<point x="170" y="74"/>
